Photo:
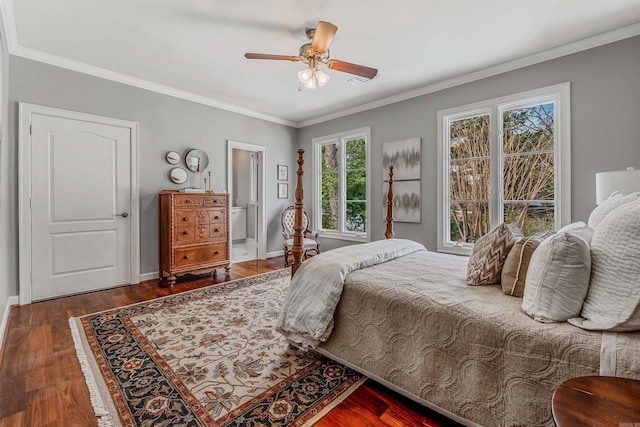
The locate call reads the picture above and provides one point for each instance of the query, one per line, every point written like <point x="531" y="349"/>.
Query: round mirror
<point x="173" y="157"/>
<point x="196" y="160"/>
<point x="178" y="175"/>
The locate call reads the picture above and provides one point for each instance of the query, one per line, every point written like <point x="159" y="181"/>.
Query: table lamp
<point x="626" y="181"/>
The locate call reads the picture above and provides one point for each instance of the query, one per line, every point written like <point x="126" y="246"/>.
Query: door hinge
<point x="30" y="129"/>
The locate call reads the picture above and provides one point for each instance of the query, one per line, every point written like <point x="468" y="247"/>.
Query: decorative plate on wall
<point x="173" y="158"/>
<point x="178" y="175"/>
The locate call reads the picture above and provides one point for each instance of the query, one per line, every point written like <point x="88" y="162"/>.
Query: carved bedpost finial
<point x="389" y="233"/>
<point x="297" y="249"/>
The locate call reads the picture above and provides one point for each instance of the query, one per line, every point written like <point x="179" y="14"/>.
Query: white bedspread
<point x="307" y="314"/>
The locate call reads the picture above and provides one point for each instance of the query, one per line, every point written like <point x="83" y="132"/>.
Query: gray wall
<point x="166" y="123"/>
<point x="605" y="127"/>
<point x="605" y="100"/>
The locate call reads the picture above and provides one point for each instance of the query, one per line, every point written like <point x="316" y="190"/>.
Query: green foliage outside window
<point x="355" y="173"/>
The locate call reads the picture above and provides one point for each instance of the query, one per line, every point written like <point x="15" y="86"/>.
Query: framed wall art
<point x="283" y="172"/>
<point x="283" y="190"/>
<point x="406" y="158"/>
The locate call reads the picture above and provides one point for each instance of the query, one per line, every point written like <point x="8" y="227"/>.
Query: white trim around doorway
<point x="262" y="190"/>
<point x="24" y="189"/>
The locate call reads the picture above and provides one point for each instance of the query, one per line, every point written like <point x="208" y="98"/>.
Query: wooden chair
<point x="310" y="246"/>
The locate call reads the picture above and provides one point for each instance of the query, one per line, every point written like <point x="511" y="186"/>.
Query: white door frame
<point x="24" y="189"/>
<point x="261" y="233"/>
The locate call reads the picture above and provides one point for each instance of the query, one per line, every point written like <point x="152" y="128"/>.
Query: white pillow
<point x="558" y="276"/>
<point x="609" y="205"/>
<point x="613" y="301"/>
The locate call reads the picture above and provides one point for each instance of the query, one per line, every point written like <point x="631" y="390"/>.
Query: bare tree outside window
<point x="528" y="171"/>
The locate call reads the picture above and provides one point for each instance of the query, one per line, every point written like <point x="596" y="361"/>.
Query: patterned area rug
<point x="208" y="357"/>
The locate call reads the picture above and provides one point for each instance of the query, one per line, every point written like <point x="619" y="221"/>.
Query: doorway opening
<point x="246" y="187"/>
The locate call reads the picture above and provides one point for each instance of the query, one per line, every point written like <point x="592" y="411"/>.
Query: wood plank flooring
<point x="41" y="383"/>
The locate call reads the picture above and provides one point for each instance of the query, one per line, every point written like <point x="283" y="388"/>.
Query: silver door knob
<point x="123" y="214"/>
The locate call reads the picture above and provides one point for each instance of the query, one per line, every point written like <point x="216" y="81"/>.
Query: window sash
<point x="559" y="96"/>
<point x="341" y="231"/>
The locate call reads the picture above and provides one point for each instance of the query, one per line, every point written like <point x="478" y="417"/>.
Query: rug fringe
<point x="104" y="419"/>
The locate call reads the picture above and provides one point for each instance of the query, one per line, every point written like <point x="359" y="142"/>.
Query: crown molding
<point x="8" y="18"/>
<point x="568" y="49"/>
<point x="141" y="83"/>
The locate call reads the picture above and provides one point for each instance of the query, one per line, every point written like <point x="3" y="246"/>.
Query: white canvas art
<point x="406" y="200"/>
<point x="406" y="158"/>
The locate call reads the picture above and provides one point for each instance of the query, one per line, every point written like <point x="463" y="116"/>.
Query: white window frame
<point x="340" y="138"/>
<point x="560" y="95"/>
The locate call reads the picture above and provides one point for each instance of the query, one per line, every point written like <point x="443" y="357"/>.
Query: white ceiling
<point x="194" y="48"/>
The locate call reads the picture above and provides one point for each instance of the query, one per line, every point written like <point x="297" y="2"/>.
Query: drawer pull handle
<point x="216" y="252"/>
<point x="215" y="231"/>
<point x="216" y="217"/>
<point x="185" y="232"/>
<point x="185" y="218"/>
<point x="186" y="257"/>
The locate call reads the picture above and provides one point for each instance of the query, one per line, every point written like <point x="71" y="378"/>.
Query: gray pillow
<point x="609" y="205"/>
<point x="558" y="276"/>
<point x="613" y="301"/>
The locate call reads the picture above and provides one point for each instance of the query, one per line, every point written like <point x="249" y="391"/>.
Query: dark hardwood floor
<point x="41" y="383"/>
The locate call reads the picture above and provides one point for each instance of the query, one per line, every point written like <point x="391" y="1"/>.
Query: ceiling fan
<point x="315" y="53"/>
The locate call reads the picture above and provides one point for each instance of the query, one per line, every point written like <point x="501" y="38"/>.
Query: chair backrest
<point x="288" y="217"/>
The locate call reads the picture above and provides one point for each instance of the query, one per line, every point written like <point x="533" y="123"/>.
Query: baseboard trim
<point x="274" y="254"/>
<point x="12" y="300"/>
<point x="149" y="276"/>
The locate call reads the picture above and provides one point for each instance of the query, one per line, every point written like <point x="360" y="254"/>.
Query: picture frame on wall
<point x="283" y="173"/>
<point x="283" y="190"/>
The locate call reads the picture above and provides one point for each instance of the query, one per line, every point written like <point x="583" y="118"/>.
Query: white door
<point x="80" y="174"/>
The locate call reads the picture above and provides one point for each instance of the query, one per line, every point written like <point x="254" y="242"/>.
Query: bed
<point x="411" y="323"/>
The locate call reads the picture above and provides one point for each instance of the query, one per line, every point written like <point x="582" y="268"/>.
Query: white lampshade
<point x="627" y="181"/>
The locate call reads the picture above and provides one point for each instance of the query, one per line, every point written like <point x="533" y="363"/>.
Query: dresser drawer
<point x="200" y="255"/>
<point x="214" y="200"/>
<point x="185" y="217"/>
<point x="217" y="231"/>
<point x="188" y="201"/>
<point x="217" y="216"/>
<point x="185" y="234"/>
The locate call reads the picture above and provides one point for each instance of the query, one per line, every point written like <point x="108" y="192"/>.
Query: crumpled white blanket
<point x="306" y="318"/>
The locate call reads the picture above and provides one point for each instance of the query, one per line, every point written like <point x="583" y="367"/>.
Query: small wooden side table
<point x="597" y="401"/>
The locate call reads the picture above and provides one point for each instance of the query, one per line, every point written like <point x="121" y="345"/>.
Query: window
<point x="504" y="160"/>
<point x="341" y="185"/>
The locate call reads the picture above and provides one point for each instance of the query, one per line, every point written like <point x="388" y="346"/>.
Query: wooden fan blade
<point x="323" y="36"/>
<point x="267" y="56"/>
<point x="347" y="67"/>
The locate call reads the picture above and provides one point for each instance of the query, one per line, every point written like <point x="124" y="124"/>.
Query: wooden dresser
<point x="194" y="233"/>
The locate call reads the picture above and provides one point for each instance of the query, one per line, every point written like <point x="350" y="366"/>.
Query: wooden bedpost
<point x="389" y="233"/>
<point x="297" y="250"/>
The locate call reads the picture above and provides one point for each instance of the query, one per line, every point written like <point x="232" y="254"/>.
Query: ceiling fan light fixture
<point x="322" y="77"/>
<point x="305" y="75"/>
<point x="310" y="84"/>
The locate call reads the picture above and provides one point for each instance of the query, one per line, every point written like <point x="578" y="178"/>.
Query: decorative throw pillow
<point x="558" y="276"/>
<point x="516" y="265"/>
<point x="613" y="301"/>
<point x="609" y="205"/>
<point x="489" y="252"/>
